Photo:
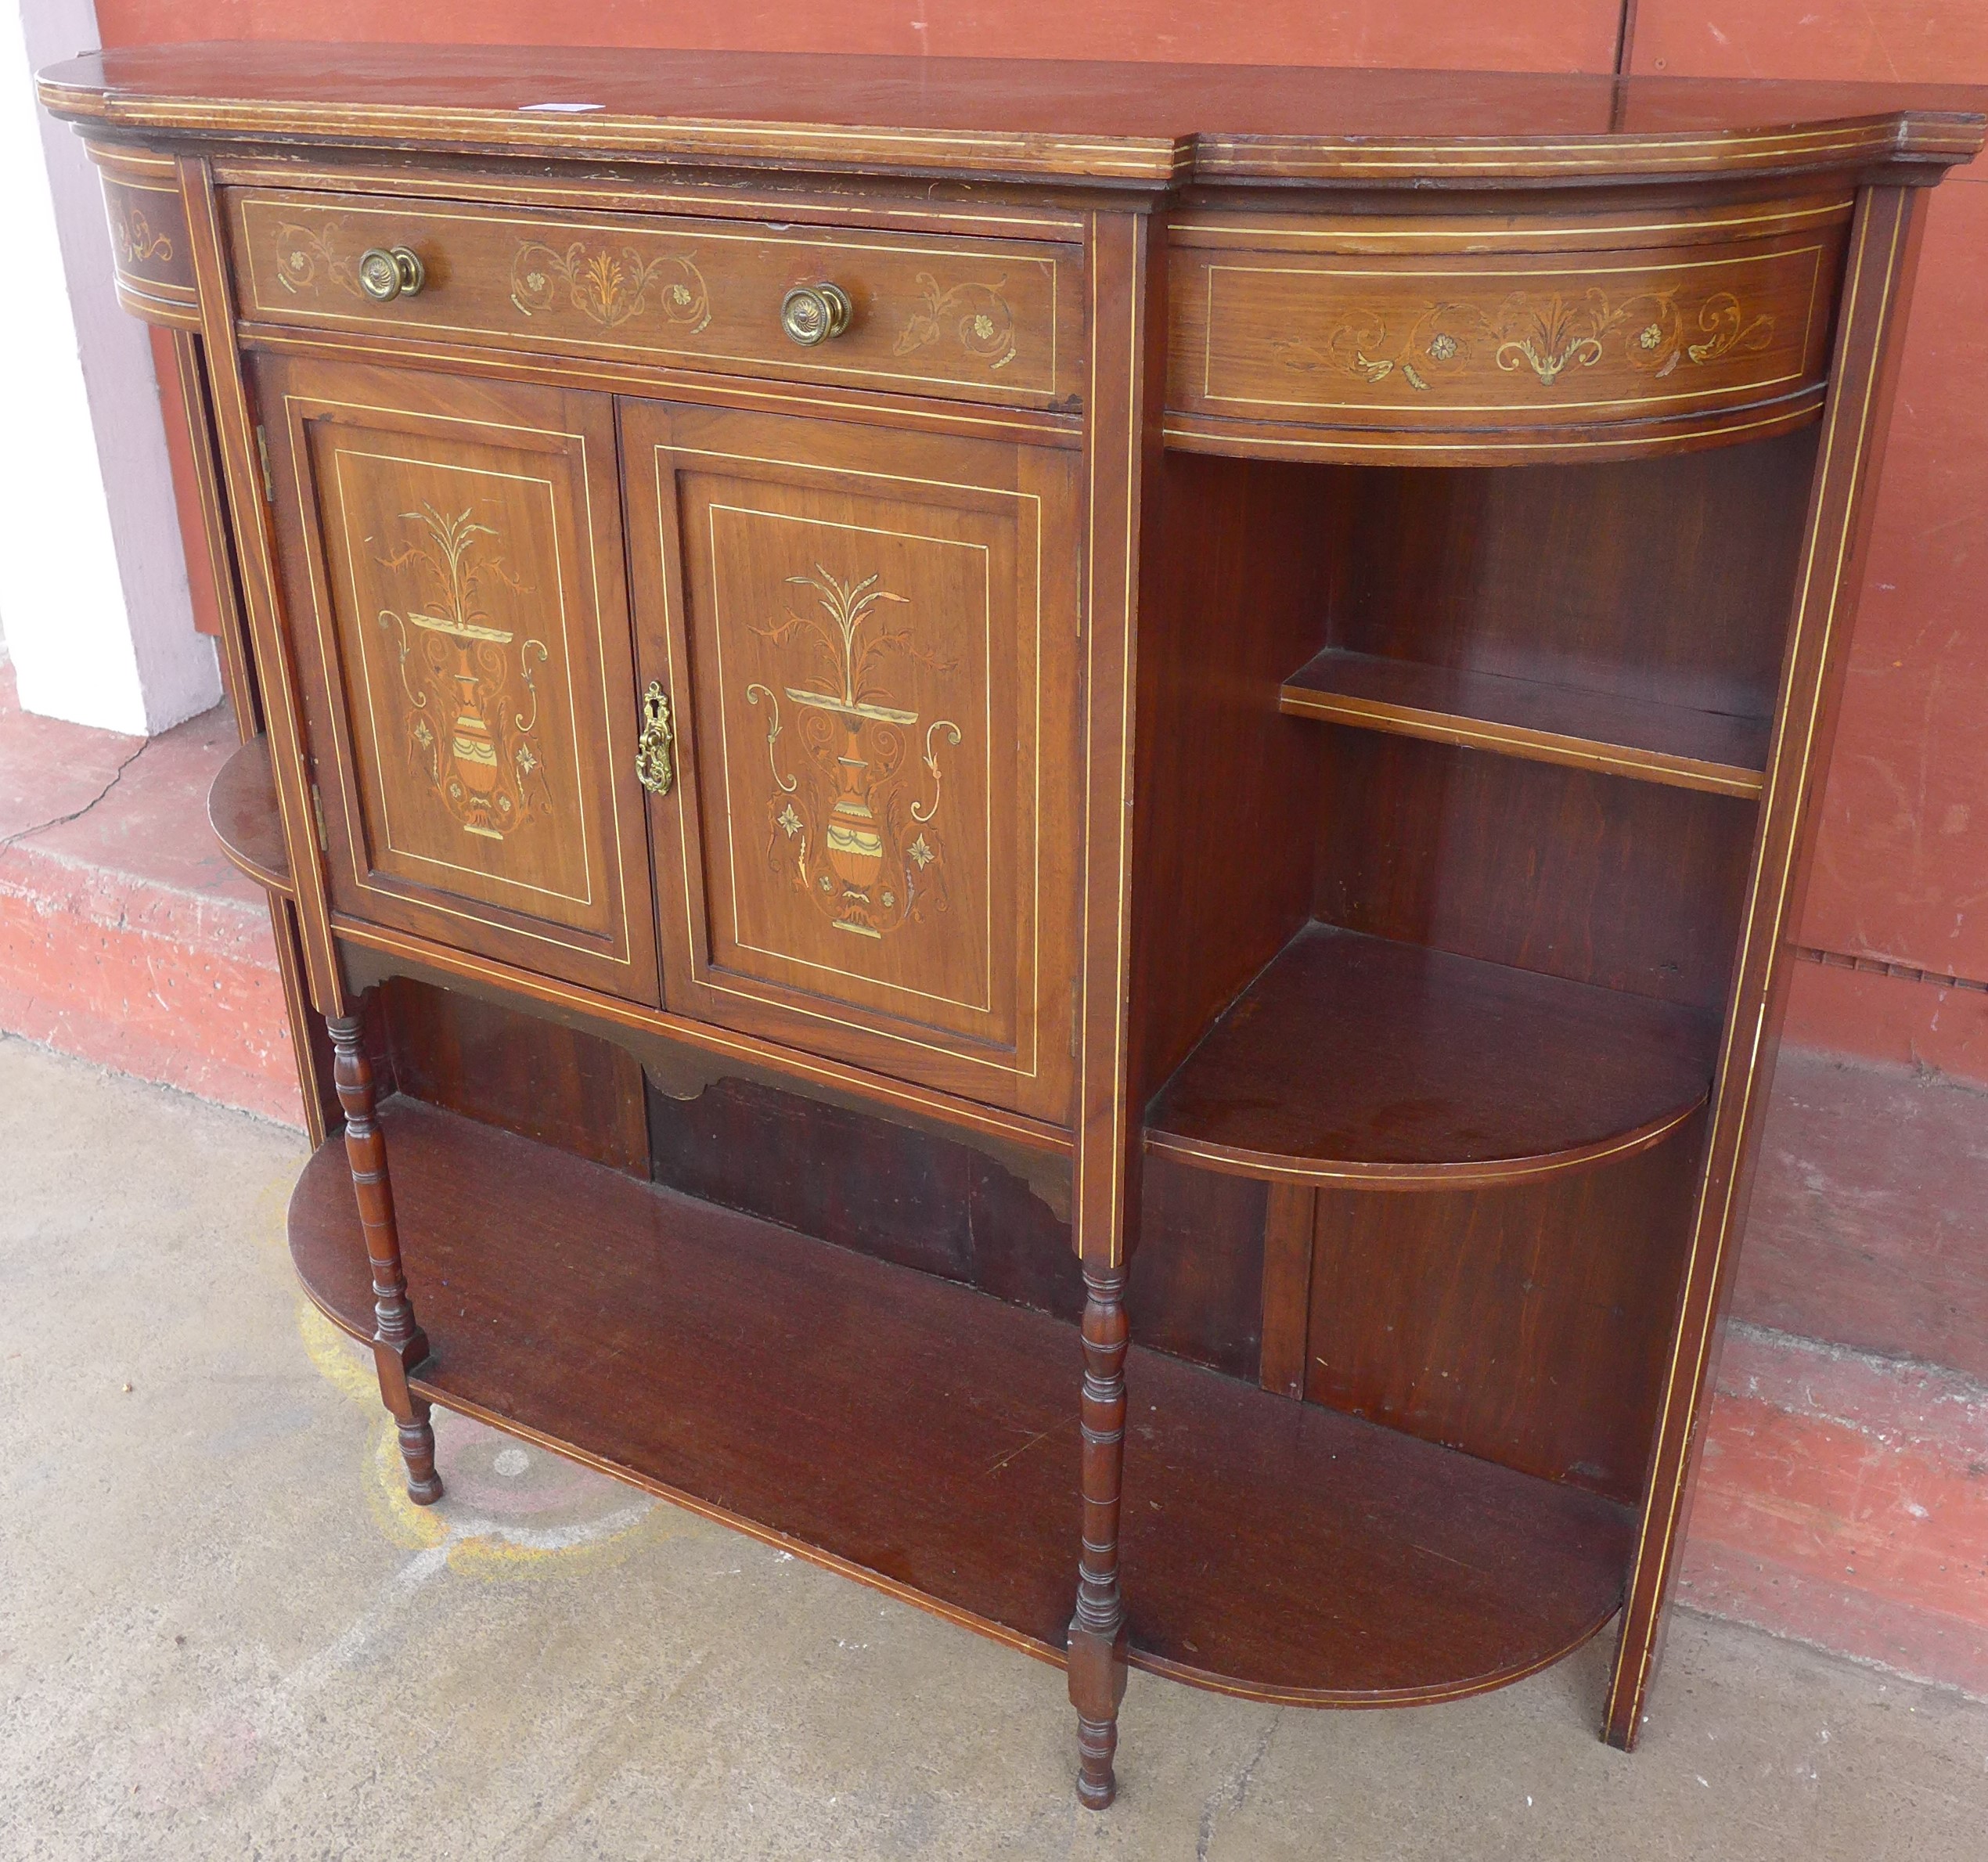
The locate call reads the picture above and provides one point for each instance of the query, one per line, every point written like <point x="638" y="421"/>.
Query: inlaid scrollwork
<point x="609" y="287"/>
<point x="466" y="733"/>
<point x="137" y="243"/>
<point x="978" y="314"/>
<point x="848" y="829"/>
<point x="1544" y="335"/>
<point x="310" y="257"/>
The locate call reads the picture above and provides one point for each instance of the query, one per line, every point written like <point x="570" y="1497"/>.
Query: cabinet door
<point x="869" y="640"/>
<point x="453" y="555"/>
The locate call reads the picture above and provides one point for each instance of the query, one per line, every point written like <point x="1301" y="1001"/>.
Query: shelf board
<point x="242" y="811"/>
<point x="923" y="1437"/>
<point x="1619" y="735"/>
<point x="1353" y="1059"/>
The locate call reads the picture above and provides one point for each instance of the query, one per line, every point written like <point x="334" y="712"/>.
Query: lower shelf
<point x="923" y="1437"/>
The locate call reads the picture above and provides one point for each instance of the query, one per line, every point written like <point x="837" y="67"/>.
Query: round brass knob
<point x="386" y="274"/>
<point x="812" y="313"/>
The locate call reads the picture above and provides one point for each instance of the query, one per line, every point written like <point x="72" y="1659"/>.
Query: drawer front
<point x="869" y="642"/>
<point x="985" y="320"/>
<point x="1513" y="340"/>
<point x="452" y="557"/>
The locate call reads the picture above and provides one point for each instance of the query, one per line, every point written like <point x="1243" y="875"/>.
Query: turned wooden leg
<point x="1097" y="1632"/>
<point x="398" y="1344"/>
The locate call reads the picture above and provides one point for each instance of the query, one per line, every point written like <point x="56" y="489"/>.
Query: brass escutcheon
<point x="653" y="768"/>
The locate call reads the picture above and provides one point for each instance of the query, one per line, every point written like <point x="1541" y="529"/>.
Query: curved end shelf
<point x="1356" y="1062"/>
<point x="242" y="812"/>
<point x="922" y="1437"/>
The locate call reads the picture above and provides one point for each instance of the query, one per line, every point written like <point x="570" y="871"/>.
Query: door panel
<point x="868" y="639"/>
<point x="454" y="554"/>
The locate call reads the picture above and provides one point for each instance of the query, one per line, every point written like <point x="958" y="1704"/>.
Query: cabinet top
<point x="1134" y="124"/>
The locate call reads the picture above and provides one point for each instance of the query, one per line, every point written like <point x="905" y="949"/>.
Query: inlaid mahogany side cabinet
<point x="874" y="692"/>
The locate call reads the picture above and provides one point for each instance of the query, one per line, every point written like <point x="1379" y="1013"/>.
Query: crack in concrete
<point x="1229" y="1795"/>
<point x="116" y="776"/>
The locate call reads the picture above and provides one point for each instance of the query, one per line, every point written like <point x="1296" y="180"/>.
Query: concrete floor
<point x="223" y="1633"/>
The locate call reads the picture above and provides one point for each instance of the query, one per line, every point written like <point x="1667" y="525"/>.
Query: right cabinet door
<point x="869" y="640"/>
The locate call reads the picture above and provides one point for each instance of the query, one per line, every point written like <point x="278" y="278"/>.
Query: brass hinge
<point x="268" y="477"/>
<point x="1076" y="1017"/>
<point x="318" y="808"/>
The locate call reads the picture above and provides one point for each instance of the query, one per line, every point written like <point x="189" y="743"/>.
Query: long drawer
<point x="990" y="320"/>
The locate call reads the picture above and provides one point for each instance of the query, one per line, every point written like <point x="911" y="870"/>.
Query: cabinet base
<point x="923" y="1438"/>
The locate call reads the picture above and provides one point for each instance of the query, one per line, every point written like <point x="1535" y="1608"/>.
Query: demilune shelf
<point x="1637" y="738"/>
<point x="923" y="1437"/>
<point x="1354" y="1060"/>
<point x="242" y="811"/>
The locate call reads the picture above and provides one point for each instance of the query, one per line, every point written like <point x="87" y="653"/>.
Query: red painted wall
<point x="1902" y="870"/>
<point x="1512" y="35"/>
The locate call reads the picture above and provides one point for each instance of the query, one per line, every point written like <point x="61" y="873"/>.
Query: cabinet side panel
<point x="1234" y="603"/>
<point x="237" y="438"/>
<point x="1883" y="248"/>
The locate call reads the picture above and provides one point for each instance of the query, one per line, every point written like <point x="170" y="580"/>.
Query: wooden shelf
<point x="1354" y="1059"/>
<point x="1636" y="737"/>
<point x="241" y="810"/>
<point x="923" y="1437"/>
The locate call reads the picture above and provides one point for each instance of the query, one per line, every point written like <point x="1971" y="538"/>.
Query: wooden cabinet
<point x="457" y="609"/>
<point x="870" y="641"/>
<point x="1190" y="699"/>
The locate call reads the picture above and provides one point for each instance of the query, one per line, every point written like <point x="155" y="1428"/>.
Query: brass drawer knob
<point x="654" y="767"/>
<point x="812" y="313"/>
<point x="386" y="273"/>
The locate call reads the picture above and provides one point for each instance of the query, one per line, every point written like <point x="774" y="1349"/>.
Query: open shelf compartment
<point x="1616" y="733"/>
<point x="1356" y="1059"/>
<point x="923" y="1438"/>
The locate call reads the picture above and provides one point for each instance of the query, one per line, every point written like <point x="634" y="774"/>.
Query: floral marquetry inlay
<point x="1543" y="335"/>
<point x="853" y="815"/>
<point x="609" y="286"/>
<point x="473" y="706"/>
<point x="976" y="314"/>
<point x="310" y="257"/>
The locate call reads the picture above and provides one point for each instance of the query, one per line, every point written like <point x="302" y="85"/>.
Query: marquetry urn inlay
<point x="472" y="713"/>
<point x="853" y="816"/>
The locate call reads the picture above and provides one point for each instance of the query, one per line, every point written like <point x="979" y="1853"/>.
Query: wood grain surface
<point x="983" y="319"/>
<point x="1354" y="1059"/>
<point x="242" y="811"/>
<point x="1113" y="123"/>
<point x="1264" y="1540"/>
<point x="868" y="640"/>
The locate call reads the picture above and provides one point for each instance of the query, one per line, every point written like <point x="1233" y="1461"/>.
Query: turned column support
<point x="399" y="1346"/>
<point x="1097" y="1631"/>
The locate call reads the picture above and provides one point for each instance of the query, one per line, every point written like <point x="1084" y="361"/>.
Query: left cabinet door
<point x="452" y="552"/>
